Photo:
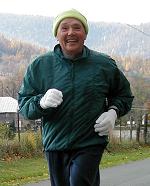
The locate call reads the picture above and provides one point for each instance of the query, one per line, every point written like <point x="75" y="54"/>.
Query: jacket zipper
<point x="72" y="104"/>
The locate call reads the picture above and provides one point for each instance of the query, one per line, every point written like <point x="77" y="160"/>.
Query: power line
<point x="138" y="30"/>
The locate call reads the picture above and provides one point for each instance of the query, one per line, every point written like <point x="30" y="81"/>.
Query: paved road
<point x="132" y="174"/>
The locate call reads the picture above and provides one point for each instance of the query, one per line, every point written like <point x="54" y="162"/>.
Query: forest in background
<point x="111" y="38"/>
<point x="22" y="38"/>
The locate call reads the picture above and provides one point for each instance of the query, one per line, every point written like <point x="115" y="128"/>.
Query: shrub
<point x="30" y="145"/>
<point x="126" y="145"/>
<point x="6" y="131"/>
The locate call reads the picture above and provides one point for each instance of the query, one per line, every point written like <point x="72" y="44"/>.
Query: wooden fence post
<point x="138" y="131"/>
<point x="131" y="127"/>
<point x="145" y="128"/>
<point x="18" y="126"/>
<point x="120" y="130"/>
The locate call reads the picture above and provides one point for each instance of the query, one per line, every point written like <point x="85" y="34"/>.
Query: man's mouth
<point x="71" y="40"/>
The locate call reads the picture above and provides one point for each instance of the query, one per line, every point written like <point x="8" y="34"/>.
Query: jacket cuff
<point x="115" y="108"/>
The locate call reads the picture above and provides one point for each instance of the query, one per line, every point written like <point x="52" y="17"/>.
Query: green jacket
<point x="90" y="84"/>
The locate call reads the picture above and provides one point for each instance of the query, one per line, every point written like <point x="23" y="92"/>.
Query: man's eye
<point x="77" y="28"/>
<point x="64" y="28"/>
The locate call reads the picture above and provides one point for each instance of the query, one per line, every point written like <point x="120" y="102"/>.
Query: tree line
<point x="16" y="55"/>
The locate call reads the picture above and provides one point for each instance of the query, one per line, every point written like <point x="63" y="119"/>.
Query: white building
<point x="8" y="110"/>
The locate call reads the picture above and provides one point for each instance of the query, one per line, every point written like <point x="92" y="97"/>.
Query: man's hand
<point x="105" y="122"/>
<point x="52" y="98"/>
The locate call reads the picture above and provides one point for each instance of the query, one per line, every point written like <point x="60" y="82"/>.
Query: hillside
<point x="15" y="55"/>
<point x="24" y="37"/>
<point x="127" y="45"/>
<point x="112" y="38"/>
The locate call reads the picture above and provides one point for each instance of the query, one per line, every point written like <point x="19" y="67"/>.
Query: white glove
<point x="105" y="122"/>
<point x="52" y="98"/>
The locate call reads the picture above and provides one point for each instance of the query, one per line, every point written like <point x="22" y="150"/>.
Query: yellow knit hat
<point x="69" y="14"/>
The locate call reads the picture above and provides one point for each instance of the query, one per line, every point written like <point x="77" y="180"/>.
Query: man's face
<point x="71" y="36"/>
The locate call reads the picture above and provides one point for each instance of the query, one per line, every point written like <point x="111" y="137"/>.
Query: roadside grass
<point x="123" y="156"/>
<point x="26" y="170"/>
<point x="19" y="172"/>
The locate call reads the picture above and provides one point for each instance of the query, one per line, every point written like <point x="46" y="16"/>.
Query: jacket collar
<point x="59" y="54"/>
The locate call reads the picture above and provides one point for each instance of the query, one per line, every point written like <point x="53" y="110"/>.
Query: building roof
<point x="8" y="105"/>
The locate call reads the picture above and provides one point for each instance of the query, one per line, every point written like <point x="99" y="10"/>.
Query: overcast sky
<point x="123" y="11"/>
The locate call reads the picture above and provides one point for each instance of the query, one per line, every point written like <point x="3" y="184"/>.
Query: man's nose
<point x="70" y="31"/>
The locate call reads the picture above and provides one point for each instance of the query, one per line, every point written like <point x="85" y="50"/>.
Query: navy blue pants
<point x="78" y="167"/>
